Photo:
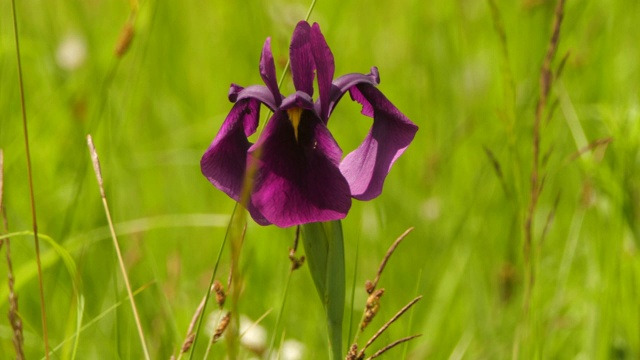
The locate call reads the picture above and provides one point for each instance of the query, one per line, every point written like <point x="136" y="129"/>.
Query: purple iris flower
<point x="298" y="172"/>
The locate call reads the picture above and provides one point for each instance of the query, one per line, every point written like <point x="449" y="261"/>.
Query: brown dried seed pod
<point x="124" y="40"/>
<point x="373" y="305"/>
<point x="296" y="262"/>
<point x="369" y="287"/>
<point x="187" y="343"/>
<point x="222" y="326"/>
<point x="353" y="352"/>
<point x="220" y="294"/>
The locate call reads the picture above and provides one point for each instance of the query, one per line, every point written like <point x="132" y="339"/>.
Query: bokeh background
<point x="467" y="72"/>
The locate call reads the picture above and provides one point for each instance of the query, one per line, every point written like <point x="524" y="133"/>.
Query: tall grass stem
<point x="43" y="313"/>
<point x="123" y="269"/>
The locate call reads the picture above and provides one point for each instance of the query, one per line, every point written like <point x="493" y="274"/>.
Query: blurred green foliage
<point x="154" y="111"/>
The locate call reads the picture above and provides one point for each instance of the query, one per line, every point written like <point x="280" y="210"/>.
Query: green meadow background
<point x="467" y="72"/>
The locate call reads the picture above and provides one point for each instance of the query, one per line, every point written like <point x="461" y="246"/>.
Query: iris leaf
<point x="324" y="247"/>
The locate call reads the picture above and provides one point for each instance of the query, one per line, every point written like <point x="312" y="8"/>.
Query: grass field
<point x="466" y="72"/>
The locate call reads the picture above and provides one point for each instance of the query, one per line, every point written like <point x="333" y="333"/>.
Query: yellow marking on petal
<point x="294" y="116"/>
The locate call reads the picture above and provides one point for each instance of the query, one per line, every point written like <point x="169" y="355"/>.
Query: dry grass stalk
<point x="546" y="78"/>
<point x="591" y="147"/>
<point x="498" y="169"/>
<point x="550" y="218"/>
<point x="255" y="323"/>
<point x="373" y="305"/>
<point x="32" y="198"/>
<point x="387" y="324"/>
<point x="96" y="167"/>
<point x="14" y="314"/>
<point x="371" y="286"/>
<point x="188" y="341"/>
<point x="392" y="345"/>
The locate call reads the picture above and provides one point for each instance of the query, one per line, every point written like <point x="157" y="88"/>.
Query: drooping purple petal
<point x="367" y="166"/>
<point x="298" y="180"/>
<point x="224" y="162"/>
<point x="268" y="71"/>
<point x="325" y="68"/>
<point x="302" y="65"/>
<point x="258" y="92"/>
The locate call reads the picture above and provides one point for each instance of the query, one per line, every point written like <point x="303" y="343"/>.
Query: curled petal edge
<point x="367" y="167"/>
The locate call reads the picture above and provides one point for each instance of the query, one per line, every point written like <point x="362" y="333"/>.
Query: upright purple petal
<point x="302" y="65"/>
<point x="367" y="167"/>
<point x="298" y="180"/>
<point x="268" y="71"/>
<point x="224" y="162"/>
<point x="325" y="68"/>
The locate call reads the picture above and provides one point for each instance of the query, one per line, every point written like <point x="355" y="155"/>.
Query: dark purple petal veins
<point x="367" y="167"/>
<point x="325" y="68"/>
<point x="298" y="180"/>
<point x="302" y="65"/>
<point x="268" y="71"/>
<point x="224" y="162"/>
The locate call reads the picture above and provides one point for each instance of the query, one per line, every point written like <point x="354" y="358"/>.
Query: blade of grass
<point x="98" y="318"/>
<point x="43" y="313"/>
<point x="72" y="269"/>
<point x="98" y="171"/>
<point x="211" y="280"/>
<point x="49" y="258"/>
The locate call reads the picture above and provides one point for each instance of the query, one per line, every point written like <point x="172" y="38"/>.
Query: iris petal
<point x="325" y="67"/>
<point x="297" y="99"/>
<point x="268" y="71"/>
<point x="342" y="84"/>
<point x="258" y="92"/>
<point x="298" y="180"/>
<point x="366" y="167"/>
<point x="302" y="65"/>
<point x="224" y="162"/>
